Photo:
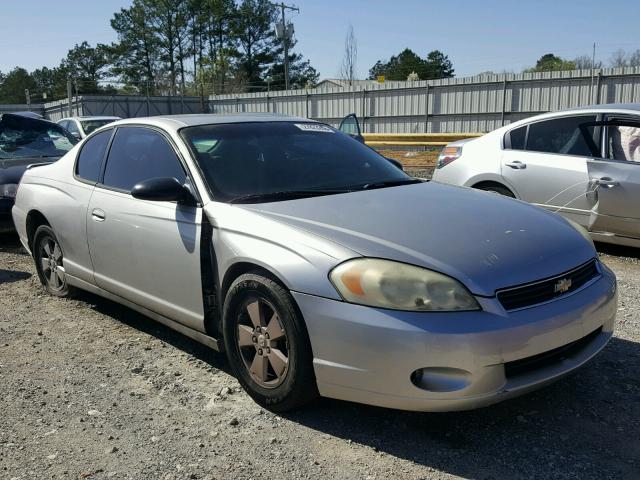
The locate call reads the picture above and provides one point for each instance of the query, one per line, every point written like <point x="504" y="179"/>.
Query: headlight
<point x="582" y="231"/>
<point x="9" y="190"/>
<point x="398" y="286"/>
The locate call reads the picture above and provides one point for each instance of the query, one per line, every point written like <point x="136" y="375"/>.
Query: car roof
<point x="94" y="117"/>
<point x="179" y="121"/>
<point x="633" y="108"/>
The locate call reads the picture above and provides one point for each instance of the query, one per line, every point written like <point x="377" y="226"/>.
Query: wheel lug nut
<point x="259" y="351"/>
<point x="268" y="350"/>
<point x="266" y="335"/>
<point x="254" y="339"/>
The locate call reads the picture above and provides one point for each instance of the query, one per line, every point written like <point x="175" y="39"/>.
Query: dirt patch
<point x="89" y="389"/>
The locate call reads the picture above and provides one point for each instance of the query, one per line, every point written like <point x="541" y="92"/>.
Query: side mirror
<point x="162" y="189"/>
<point x="395" y="163"/>
<point x="77" y="135"/>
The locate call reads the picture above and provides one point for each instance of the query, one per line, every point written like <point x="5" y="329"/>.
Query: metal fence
<point x="471" y="104"/>
<point x="125" y="106"/>
<point x="22" y="107"/>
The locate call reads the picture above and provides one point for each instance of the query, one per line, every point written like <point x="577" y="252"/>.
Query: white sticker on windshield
<point x="314" y="127"/>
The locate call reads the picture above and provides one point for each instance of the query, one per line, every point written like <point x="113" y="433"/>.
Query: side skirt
<point x="200" y="337"/>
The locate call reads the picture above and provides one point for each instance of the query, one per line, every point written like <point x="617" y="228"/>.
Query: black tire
<point x="52" y="275"/>
<point x="297" y="385"/>
<point x="495" y="188"/>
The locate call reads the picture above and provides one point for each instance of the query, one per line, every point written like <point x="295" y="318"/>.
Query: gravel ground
<point x="89" y="389"/>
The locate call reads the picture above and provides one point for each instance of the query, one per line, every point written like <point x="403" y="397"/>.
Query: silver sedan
<point x="582" y="163"/>
<point x="316" y="264"/>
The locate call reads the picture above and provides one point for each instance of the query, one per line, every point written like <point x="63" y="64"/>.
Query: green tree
<point x="257" y="44"/>
<point x="399" y="67"/>
<point x="438" y="65"/>
<point x="85" y="65"/>
<point x="135" y="57"/>
<point x="301" y="73"/>
<point x="550" y="63"/>
<point x="12" y="89"/>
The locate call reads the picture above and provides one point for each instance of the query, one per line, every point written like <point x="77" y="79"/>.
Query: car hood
<point x="484" y="240"/>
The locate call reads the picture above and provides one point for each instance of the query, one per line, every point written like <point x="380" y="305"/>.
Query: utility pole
<point x="285" y="32"/>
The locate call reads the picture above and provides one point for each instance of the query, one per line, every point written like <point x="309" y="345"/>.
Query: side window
<point x="72" y="127"/>
<point x="64" y="124"/>
<point x="517" y="137"/>
<point x="138" y="154"/>
<point x="567" y="136"/>
<point x="90" y="157"/>
<point x="623" y="142"/>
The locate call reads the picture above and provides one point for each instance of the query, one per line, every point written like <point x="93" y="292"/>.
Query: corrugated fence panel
<point x="471" y="104"/>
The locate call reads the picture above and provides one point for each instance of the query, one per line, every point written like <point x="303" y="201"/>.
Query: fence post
<point x="69" y="100"/>
<point x="126" y="102"/>
<point x="147" y="99"/>
<point x="426" y="107"/>
<point x="306" y="104"/>
<point x="364" y="109"/>
<point x="598" y="84"/>
<point x="268" y="104"/>
<point x="504" y="99"/>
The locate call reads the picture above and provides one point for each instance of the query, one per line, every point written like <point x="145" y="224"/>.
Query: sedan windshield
<point x="23" y="137"/>
<point x="90" y="125"/>
<point x="267" y="161"/>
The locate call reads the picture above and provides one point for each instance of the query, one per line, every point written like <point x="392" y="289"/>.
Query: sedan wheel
<point x="263" y="343"/>
<point x="50" y="262"/>
<point x="267" y="343"/>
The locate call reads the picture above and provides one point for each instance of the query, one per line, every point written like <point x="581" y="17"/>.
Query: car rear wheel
<point x="495" y="188"/>
<point x="267" y="343"/>
<point x="50" y="262"/>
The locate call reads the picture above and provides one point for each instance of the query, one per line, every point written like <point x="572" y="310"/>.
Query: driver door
<point x="617" y="178"/>
<point x="351" y="126"/>
<point x="145" y="251"/>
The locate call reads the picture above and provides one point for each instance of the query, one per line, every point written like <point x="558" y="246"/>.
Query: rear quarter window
<point x="89" y="162"/>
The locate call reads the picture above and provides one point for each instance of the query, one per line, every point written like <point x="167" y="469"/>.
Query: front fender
<point x="301" y="260"/>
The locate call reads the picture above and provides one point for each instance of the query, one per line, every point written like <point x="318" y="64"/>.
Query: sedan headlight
<point x="8" y="190"/>
<point x="398" y="286"/>
<point x="582" y="231"/>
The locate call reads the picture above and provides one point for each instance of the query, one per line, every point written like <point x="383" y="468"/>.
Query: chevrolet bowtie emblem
<point x="562" y="285"/>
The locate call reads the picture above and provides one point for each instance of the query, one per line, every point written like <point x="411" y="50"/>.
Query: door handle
<point x="516" y="164"/>
<point x="606" y="182"/>
<point x="98" y="215"/>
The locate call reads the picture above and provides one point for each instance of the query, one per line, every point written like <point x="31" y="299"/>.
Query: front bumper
<point x="368" y="355"/>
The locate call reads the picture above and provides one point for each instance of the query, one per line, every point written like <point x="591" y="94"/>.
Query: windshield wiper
<point x="284" y="195"/>
<point x="389" y="183"/>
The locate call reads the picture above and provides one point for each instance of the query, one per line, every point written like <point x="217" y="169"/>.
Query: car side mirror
<point x="395" y="162"/>
<point x="76" y="135"/>
<point x="162" y="189"/>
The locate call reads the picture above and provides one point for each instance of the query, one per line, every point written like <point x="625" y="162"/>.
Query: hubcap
<point x="263" y="343"/>
<point x="51" y="264"/>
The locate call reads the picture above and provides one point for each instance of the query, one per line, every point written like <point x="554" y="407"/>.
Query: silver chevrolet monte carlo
<point x="316" y="264"/>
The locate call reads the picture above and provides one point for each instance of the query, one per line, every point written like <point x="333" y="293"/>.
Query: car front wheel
<point x="267" y="343"/>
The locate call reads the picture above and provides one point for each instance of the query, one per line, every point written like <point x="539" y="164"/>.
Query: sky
<point x="477" y="36"/>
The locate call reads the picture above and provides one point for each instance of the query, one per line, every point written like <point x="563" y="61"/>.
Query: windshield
<point x="90" y="125"/>
<point x="22" y="137"/>
<point x="263" y="158"/>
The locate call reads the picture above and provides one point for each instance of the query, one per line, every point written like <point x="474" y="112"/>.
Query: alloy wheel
<point x="51" y="264"/>
<point x="263" y="343"/>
